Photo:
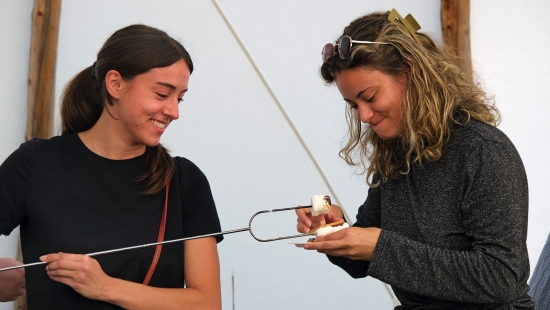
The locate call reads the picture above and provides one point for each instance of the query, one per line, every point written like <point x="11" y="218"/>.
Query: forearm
<point x="12" y="282"/>
<point x="129" y="295"/>
<point x="202" y="277"/>
<point x="359" y="268"/>
<point x="201" y="270"/>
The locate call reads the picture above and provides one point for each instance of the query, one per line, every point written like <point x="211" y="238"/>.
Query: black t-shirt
<point x="68" y="199"/>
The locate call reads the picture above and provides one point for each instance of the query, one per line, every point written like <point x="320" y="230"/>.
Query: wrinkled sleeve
<point x="15" y="173"/>
<point x="494" y="215"/>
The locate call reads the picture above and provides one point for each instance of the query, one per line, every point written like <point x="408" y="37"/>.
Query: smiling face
<point x="147" y="104"/>
<point x="375" y="98"/>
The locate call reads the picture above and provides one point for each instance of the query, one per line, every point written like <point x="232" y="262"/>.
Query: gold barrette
<point x="409" y="22"/>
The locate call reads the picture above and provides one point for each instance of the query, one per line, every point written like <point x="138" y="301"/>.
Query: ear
<point x="403" y="78"/>
<point x="114" y="83"/>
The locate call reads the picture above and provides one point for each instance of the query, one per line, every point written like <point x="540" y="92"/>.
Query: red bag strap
<point x="160" y="239"/>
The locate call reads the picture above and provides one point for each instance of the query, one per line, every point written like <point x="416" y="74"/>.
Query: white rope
<point x="294" y="129"/>
<point x="285" y="114"/>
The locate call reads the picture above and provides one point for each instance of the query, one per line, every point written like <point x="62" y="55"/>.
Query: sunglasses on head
<point x="343" y="47"/>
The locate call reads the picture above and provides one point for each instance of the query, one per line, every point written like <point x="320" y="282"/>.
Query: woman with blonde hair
<point x="445" y="219"/>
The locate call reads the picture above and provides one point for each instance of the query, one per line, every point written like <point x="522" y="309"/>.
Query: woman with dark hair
<point x="445" y="219"/>
<point x="108" y="183"/>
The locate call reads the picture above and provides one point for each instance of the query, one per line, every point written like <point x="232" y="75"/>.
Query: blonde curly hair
<point x="438" y="95"/>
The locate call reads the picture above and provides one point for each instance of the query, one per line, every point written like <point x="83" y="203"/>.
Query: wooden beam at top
<point x="42" y="61"/>
<point x="455" y="28"/>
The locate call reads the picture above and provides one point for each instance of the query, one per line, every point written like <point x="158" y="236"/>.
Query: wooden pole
<point x="43" y="55"/>
<point x="455" y="28"/>
<point x="41" y="88"/>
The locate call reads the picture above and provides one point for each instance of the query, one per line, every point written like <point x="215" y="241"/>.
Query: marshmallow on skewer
<point x="320" y="204"/>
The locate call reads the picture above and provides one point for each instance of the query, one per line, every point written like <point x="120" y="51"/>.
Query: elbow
<point x="209" y="303"/>
<point x="506" y="293"/>
<point x="355" y="268"/>
<point x="212" y="303"/>
<point x="501" y="290"/>
<point x="357" y="271"/>
<point x="357" y="274"/>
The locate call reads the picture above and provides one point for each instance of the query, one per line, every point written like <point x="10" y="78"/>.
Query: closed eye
<point x="162" y="95"/>
<point x="352" y="104"/>
<point x="166" y="97"/>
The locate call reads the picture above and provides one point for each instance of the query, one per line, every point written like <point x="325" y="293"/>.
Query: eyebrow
<point x="361" y="92"/>
<point x="170" y="86"/>
<point x="358" y="94"/>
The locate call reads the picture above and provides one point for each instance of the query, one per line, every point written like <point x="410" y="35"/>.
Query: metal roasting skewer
<point x="249" y="228"/>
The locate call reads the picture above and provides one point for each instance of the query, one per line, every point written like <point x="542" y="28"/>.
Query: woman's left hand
<point x="81" y="272"/>
<point x="354" y="242"/>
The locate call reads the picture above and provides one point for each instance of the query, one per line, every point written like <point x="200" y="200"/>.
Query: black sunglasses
<point x="343" y="47"/>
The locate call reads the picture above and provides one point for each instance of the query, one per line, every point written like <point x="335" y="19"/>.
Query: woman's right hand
<point x="307" y="222"/>
<point x="12" y="282"/>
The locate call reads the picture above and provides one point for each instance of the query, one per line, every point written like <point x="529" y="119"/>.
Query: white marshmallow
<point x="337" y="228"/>
<point x="320" y="204"/>
<point x="329" y="229"/>
<point x="324" y="231"/>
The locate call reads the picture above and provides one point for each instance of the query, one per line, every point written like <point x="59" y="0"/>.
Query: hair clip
<point x="409" y="22"/>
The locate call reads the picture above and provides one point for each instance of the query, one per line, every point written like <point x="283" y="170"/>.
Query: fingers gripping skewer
<point x="249" y="228"/>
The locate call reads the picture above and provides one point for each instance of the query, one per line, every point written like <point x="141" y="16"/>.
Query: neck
<point x="95" y="145"/>
<point x="105" y="141"/>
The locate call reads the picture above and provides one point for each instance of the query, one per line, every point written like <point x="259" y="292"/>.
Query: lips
<point x="374" y="124"/>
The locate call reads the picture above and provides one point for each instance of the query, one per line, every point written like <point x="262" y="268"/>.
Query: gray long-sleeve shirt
<point x="454" y="230"/>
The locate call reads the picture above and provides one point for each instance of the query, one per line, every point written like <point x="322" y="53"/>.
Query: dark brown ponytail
<point x="131" y="51"/>
<point x="81" y="104"/>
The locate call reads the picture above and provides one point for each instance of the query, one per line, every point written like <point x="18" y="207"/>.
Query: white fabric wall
<point x="234" y="131"/>
<point x="15" y="36"/>
<point x="510" y="49"/>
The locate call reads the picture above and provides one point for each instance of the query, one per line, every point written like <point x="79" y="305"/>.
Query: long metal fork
<point x="249" y="228"/>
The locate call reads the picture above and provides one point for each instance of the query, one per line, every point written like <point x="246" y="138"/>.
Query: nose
<point x="172" y="109"/>
<point x="364" y="113"/>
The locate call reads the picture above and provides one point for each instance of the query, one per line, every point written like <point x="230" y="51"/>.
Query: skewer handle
<point x="22" y="266"/>
<point x="279" y="238"/>
<point x="249" y="228"/>
<point x="137" y="247"/>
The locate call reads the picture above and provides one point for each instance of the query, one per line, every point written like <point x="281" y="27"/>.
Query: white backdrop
<point x="232" y="128"/>
<point x="15" y="36"/>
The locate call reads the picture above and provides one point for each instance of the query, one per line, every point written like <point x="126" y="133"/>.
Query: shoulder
<point x="186" y="165"/>
<point x="27" y="152"/>
<point x="480" y="132"/>
<point x="187" y="170"/>
<point x="482" y="143"/>
<point x="476" y="135"/>
<point x="59" y="143"/>
<point x="40" y="150"/>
